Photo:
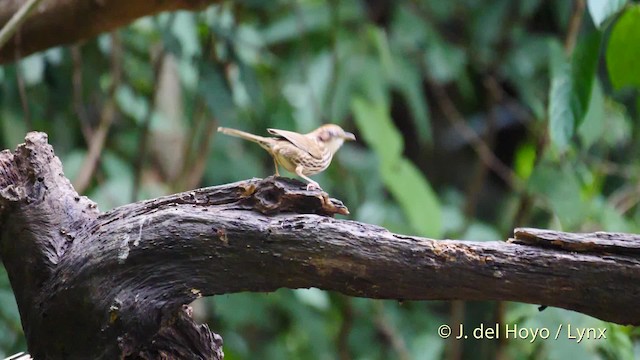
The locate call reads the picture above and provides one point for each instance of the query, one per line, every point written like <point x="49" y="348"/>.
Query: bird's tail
<point x="245" y="135"/>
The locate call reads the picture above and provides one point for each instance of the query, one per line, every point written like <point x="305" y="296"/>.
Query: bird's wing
<point x="300" y="141"/>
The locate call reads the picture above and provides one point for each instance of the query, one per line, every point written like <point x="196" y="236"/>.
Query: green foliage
<point x="401" y="177"/>
<point x="561" y="117"/>
<point x="571" y="85"/>
<point x="563" y="195"/>
<point x="623" y="50"/>
<point x="410" y="79"/>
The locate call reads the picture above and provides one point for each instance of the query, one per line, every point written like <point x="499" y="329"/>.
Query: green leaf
<point x="408" y="80"/>
<point x="408" y="30"/>
<point x="32" y="68"/>
<point x="131" y="103"/>
<point x="256" y="310"/>
<point x="592" y="128"/>
<point x="117" y="188"/>
<point x="583" y="70"/>
<point x="188" y="73"/>
<point x="570" y="92"/>
<point x="623" y="51"/>
<point x="216" y="93"/>
<point x="561" y="119"/>
<point x="72" y="163"/>
<point x="618" y="124"/>
<point x="445" y="62"/>
<point x="306" y="94"/>
<point x="112" y="193"/>
<point x="601" y="10"/>
<point x="619" y="344"/>
<point x="184" y="29"/>
<point x="378" y="130"/>
<point x="525" y="160"/>
<point x="528" y="58"/>
<point x="309" y="17"/>
<point x="420" y="204"/>
<point x="249" y="44"/>
<point x="381" y="42"/>
<point x="488" y="22"/>
<point x="370" y="80"/>
<point x="561" y="189"/>
<point x="612" y="219"/>
<point x="313" y="297"/>
<point x="479" y="231"/>
<point x="425" y="346"/>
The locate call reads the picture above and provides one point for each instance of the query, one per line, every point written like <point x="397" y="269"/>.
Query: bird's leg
<point x="312" y="185"/>
<point x="275" y="163"/>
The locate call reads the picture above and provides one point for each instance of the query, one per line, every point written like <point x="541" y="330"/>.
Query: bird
<point x="302" y="154"/>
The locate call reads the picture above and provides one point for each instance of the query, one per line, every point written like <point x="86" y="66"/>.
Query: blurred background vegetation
<point x="473" y="117"/>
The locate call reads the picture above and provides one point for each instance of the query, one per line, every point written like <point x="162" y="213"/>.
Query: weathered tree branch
<point x="102" y="285"/>
<point x="62" y="22"/>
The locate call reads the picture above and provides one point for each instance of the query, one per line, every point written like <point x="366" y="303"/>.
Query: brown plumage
<point x="302" y="154"/>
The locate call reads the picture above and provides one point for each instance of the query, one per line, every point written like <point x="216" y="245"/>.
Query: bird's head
<point x="332" y="136"/>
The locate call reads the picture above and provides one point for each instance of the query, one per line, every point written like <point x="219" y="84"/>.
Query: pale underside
<point x="283" y="152"/>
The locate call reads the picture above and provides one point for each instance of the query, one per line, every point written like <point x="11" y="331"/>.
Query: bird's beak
<point x="349" y="136"/>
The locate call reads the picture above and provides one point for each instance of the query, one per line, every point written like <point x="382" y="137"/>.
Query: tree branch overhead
<point x="78" y="20"/>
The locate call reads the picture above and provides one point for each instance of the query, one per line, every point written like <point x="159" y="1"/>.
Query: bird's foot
<point x="313" y="186"/>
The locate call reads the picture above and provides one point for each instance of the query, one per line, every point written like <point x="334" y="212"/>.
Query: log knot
<point x="280" y="195"/>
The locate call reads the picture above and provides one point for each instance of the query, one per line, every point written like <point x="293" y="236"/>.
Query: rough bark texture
<point x="62" y="22"/>
<point x="116" y="284"/>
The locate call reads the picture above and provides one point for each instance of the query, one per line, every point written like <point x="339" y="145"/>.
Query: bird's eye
<point x="325" y="135"/>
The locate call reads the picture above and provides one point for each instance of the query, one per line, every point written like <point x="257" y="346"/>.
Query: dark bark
<point x="91" y="284"/>
<point x="62" y="22"/>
